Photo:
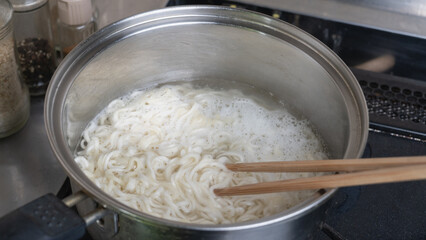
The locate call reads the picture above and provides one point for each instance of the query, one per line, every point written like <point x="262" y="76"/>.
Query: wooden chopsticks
<point x="341" y="165"/>
<point x="386" y="170"/>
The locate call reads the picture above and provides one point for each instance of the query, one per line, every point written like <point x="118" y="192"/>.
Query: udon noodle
<point x="162" y="151"/>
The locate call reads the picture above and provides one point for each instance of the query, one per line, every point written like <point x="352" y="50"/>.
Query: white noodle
<point x="162" y="150"/>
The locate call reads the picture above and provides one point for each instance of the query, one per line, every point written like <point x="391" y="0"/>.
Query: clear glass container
<point x="75" y="23"/>
<point x="34" y="43"/>
<point x="69" y="36"/>
<point x="14" y="98"/>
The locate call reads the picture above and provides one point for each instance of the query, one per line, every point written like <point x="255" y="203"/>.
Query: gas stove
<point x="389" y="61"/>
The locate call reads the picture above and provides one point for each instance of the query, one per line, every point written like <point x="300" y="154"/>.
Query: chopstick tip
<point x="217" y="191"/>
<point x="230" y="166"/>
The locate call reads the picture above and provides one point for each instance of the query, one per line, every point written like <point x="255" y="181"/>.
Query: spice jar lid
<point x="75" y="12"/>
<point x="27" y="5"/>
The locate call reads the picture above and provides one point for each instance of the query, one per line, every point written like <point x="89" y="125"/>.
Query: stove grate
<point x="394" y="101"/>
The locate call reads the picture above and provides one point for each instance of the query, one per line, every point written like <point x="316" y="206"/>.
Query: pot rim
<point x="64" y="76"/>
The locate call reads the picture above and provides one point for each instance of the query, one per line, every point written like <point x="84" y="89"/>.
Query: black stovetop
<point x="384" y="211"/>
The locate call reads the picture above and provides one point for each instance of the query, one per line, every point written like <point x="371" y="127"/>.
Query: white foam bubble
<point x="277" y="133"/>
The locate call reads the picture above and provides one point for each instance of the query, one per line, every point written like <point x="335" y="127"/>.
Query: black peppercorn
<point x="36" y="63"/>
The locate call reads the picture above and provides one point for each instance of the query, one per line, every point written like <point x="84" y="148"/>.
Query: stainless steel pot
<point x="196" y="42"/>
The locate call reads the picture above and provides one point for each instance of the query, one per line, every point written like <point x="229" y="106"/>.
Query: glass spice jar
<point x="14" y="98"/>
<point x="75" y="24"/>
<point x="34" y="43"/>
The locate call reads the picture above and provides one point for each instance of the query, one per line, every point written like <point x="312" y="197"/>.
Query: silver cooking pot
<point x="204" y="42"/>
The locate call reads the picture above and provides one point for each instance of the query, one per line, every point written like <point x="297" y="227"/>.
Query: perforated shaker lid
<point x="75" y="12"/>
<point x="27" y="5"/>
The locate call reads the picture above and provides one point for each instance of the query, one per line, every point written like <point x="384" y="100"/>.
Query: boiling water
<point x="162" y="150"/>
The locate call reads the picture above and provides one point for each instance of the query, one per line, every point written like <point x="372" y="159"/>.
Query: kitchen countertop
<point x="28" y="167"/>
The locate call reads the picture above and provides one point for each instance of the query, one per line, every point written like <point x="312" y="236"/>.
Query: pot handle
<point x="48" y="217"/>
